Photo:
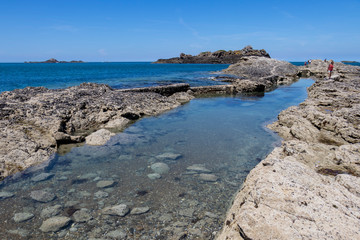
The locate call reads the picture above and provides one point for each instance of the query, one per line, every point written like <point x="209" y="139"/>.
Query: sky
<point x="134" y="30"/>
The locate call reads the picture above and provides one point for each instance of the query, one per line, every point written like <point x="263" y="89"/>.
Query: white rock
<point x="99" y="137"/>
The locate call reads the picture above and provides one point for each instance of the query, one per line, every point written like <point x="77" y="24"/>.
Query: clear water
<point x="115" y="74"/>
<point x="226" y="135"/>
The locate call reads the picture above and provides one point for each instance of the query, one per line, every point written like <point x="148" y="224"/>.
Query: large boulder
<point x="263" y="70"/>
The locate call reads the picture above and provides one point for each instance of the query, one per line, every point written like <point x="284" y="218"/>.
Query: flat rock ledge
<point x="309" y="188"/>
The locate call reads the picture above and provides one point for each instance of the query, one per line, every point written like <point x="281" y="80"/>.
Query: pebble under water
<point x="167" y="177"/>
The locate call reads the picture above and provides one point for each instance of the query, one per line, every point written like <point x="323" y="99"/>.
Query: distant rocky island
<point x="349" y="62"/>
<point x="218" y="57"/>
<point x="53" y="60"/>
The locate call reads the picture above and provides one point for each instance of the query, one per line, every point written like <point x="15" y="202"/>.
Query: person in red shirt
<point x="330" y="68"/>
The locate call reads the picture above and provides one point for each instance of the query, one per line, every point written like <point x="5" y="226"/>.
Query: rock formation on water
<point x="309" y="188"/>
<point x="218" y="57"/>
<point x="53" y="60"/>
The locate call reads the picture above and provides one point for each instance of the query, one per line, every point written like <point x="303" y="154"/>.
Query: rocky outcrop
<point x="261" y="72"/>
<point x="53" y="60"/>
<point x="218" y="57"/>
<point x="309" y="188"/>
<point x="35" y="121"/>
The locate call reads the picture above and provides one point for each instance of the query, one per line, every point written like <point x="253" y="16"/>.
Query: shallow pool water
<point x="180" y="170"/>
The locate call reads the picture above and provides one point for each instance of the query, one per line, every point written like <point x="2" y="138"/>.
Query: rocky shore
<point x="309" y="188"/>
<point x="218" y="57"/>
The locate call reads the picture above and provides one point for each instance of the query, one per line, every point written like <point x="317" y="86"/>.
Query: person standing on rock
<point x="330" y="68"/>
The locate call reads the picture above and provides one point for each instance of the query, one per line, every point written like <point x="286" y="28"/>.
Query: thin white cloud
<point x="194" y="32"/>
<point x="102" y="52"/>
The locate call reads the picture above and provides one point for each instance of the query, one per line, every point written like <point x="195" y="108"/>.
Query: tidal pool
<point x="173" y="175"/>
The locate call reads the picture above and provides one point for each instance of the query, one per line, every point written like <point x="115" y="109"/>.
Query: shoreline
<point x="309" y="187"/>
<point x="136" y="103"/>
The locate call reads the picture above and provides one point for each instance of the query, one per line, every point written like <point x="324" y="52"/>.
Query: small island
<point x="53" y="60"/>
<point x="217" y="57"/>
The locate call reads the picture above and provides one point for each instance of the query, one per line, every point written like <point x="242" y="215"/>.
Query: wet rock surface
<point x="309" y="187"/>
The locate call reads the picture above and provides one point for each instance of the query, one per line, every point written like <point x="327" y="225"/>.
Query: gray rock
<point x="116" y="234"/>
<point x="83" y="215"/>
<point x="4" y="195"/>
<point x="160" y="168"/>
<point x="22" y="217"/>
<point x="50" y="211"/>
<point x="208" y="177"/>
<point x="42" y="177"/>
<point x="198" y="168"/>
<point x="168" y="156"/>
<point x="105" y="183"/>
<point x="139" y="210"/>
<point x="55" y="224"/>
<point x="101" y="194"/>
<point x="42" y="196"/>
<point x="117" y="210"/>
<point x="154" y="176"/>
<point x="20" y="232"/>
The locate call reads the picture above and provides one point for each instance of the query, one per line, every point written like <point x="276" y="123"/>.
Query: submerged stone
<point x="22" y="217"/>
<point x="168" y="156"/>
<point x="139" y="210"/>
<point x="117" y="210"/>
<point x="208" y="177"/>
<point x="50" y="211"/>
<point x="54" y="224"/>
<point x="160" y="168"/>
<point x="83" y="215"/>
<point x="42" y="177"/>
<point x="42" y="196"/>
<point x="105" y="183"/>
<point x="198" y="168"/>
<point x="4" y="195"/>
<point x="154" y="176"/>
<point x="116" y="234"/>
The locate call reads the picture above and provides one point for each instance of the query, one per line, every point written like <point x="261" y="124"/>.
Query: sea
<point x="176" y="173"/>
<point x="116" y="74"/>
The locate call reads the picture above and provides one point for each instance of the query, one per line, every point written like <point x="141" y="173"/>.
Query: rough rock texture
<point x="257" y="73"/>
<point x="221" y="56"/>
<point x="309" y="188"/>
<point x="34" y="121"/>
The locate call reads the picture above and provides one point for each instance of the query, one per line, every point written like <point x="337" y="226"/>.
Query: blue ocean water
<point x="115" y="74"/>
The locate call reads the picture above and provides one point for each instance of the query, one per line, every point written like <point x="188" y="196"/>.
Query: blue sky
<point x="134" y="30"/>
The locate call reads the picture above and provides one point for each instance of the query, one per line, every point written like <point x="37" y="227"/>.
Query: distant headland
<point x="53" y="60"/>
<point x="218" y="57"/>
